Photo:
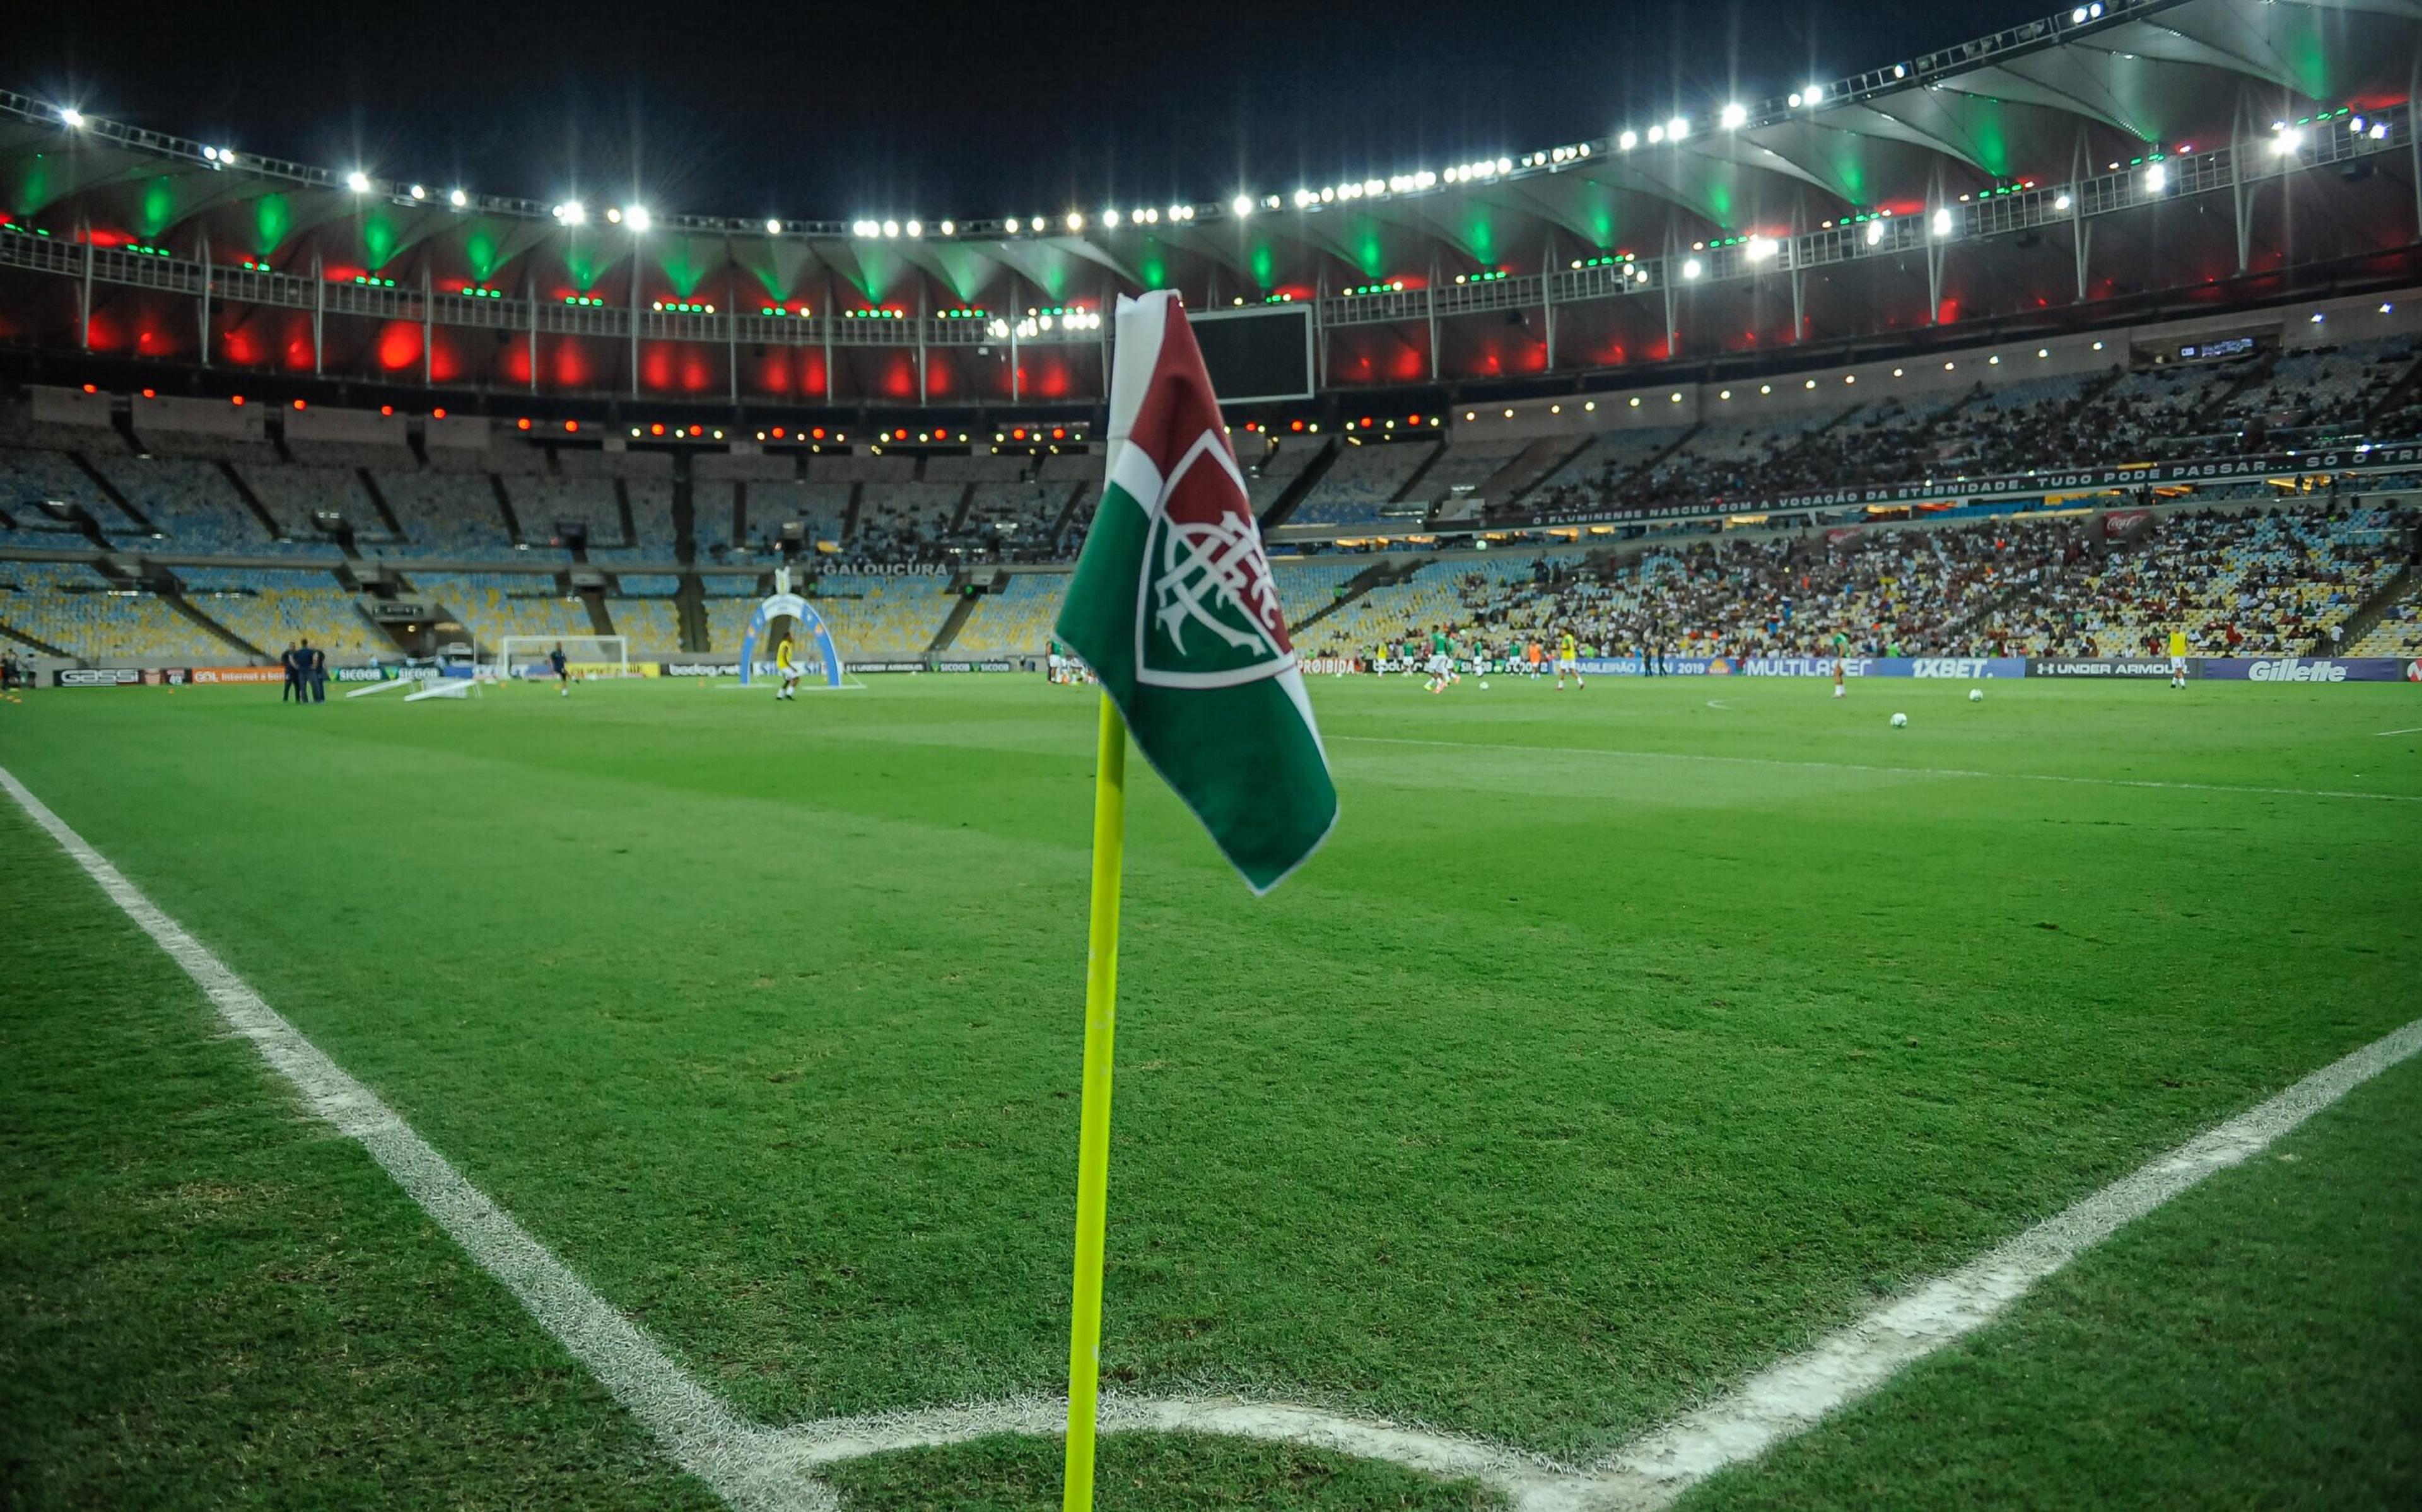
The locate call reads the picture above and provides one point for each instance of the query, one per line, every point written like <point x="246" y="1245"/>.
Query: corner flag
<point x="1173" y="608"/>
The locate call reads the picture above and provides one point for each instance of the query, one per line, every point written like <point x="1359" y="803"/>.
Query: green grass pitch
<point x="1618" y="1042"/>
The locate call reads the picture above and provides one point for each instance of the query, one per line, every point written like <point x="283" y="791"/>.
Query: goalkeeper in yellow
<point x="786" y="663"/>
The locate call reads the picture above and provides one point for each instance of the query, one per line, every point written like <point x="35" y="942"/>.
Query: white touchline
<point x="2411" y="729"/>
<point x="755" y="1468"/>
<point x="747" y="1466"/>
<point x="1903" y="772"/>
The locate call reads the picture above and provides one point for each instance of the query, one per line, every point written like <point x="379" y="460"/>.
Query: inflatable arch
<point x="811" y="623"/>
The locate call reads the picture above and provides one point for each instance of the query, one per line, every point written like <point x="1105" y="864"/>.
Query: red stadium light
<point x="818" y="434"/>
<point x="149" y="394"/>
<point x="437" y="414"/>
<point x="236" y="400"/>
<point x="777" y="433"/>
<point x="1019" y="434"/>
<point x="525" y="422"/>
<point x="657" y="429"/>
<point x="386" y="410"/>
<point x="571" y="425"/>
<point x="1058" y="433"/>
<point x="1414" y="420"/>
<point x="900" y="434"/>
<point x="298" y="404"/>
<point x="1297" y="425"/>
<point x="698" y="430"/>
<point x="92" y="389"/>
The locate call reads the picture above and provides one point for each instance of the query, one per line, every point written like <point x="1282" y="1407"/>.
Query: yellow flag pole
<point x="1093" y="1137"/>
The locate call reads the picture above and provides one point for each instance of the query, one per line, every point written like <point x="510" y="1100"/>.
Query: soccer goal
<point x="585" y="657"/>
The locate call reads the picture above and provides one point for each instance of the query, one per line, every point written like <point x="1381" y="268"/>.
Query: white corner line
<point x="2410" y="729"/>
<point x="747" y="1467"/>
<point x="755" y="1468"/>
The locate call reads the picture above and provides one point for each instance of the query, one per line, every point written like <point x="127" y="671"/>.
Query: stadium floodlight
<point x="1504" y="165"/>
<point x="1640" y="275"/>
<point x="1942" y="222"/>
<point x="71" y="118"/>
<point x="1762" y="247"/>
<point x="2060" y="201"/>
<point x="1655" y="134"/>
<point x="358" y="182"/>
<point x="1875" y="232"/>
<point x="1676" y="128"/>
<point x="1075" y="220"/>
<point x="1692" y="267"/>
<point x="2157" y="177"/>
<point x="1795" y="100"/>
<point x="1241" y="206"/>
<point x="613" y="215"/>
<point x="1304" y="197"/>
<point x="914" y="228"/>
<point x="1814" y="94"/>
<point x="457" y="198"/>
<point x="1110" y="220"/>
<point x="572" y="212"/>
<point x="415" y="191"/>
<point x="773" y="226"/>
<point x="1735" y="117"/>
<point x="1628" y="140"/>
<point x="2288" y="143"/>
<point x="210" y="154"/>
<point x="892" y="229"/>
<point x="637" y="218"/>
<point x="950" y="227"/>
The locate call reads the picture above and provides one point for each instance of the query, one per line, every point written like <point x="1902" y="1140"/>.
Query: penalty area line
<point x="749" y="1468"/>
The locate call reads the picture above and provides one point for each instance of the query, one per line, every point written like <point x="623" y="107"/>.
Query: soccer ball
<point x="1900" y="722"/>
<point x="1484" y="685"/>
<point x="1976" y="695"/>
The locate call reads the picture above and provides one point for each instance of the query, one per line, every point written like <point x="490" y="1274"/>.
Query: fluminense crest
<point x="1208" y="613"/>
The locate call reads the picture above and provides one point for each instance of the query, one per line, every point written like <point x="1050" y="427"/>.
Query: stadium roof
<point x="2124" y="102"/>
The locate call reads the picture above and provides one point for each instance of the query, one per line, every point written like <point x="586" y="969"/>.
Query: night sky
<point x="811" y="111"/>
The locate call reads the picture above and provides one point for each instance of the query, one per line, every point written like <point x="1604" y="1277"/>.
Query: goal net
<point x="585" y="657"/>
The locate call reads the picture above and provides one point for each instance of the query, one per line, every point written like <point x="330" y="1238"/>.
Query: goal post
<point x="585" y="657"/>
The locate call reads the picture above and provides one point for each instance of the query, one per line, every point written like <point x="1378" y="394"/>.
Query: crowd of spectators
<point x="2256" y="582"/>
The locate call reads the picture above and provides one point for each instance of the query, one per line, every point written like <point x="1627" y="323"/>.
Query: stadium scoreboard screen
<point x="1255" y="355"/>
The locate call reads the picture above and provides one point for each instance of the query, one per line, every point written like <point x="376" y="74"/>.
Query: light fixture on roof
<point x="1761" y="248"/>
<point x="1814" y="94"/>
<point x="2157" y="177"/>
<point x="71" y="118"/>
<point x="358" y="182"/>
<point x="1241" y="206"/>
<point x="892" y="229"/>
<point x="1678" y="128"/>
<point x="572" y="212"/>
<point x="914" y="228"/>
<point x="1735" y="117"/>
<point x="637" y="218"/>
<point x="457" y="198"/>
<point x="1655" y="134"/>
<point x="1875" y="232"/>
<point x="1942" y="222"/>
<point x="950" y="227"/>
<point x="1692" y="267"/>
<point x="1075" y="220"/>
<point x="773" y="226"/>
<point x="2288" y="143"/>
<point x="210" y="154"/>
<point x="417" y="191"/>
<point x="2060" y="201"/>
<point x="1109" y="220"/>
<point x="1628" y="140"/>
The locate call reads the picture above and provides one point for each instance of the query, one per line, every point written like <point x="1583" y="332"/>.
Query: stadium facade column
<point x="529" y="302"/>
<point x="920" y="340"/>
<point x="731" y="328"/>
<point x="2239" y="200"/>
<point x="1546" y="294"/>
<point x="1016" y="388"/>
<point x="1935" y="245"/>
<point x="2081" y="231"/>
<point x="829" y="317"/>
<point x="1107" y="308"/>
<point x="206" y="299"/>
<point x="1790" y="253"/>
<point x="1429" y="305"/>
<point x="1320" y="327"/>
<point x="1665" y="287"/>
<point x="83" y="311"/>
<point x="634" y="315"/>
<point x="428" y="325"/>
<point x="319" y="312"/>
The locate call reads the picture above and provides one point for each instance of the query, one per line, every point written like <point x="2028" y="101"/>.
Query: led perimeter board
<point x="1255" y="355"/>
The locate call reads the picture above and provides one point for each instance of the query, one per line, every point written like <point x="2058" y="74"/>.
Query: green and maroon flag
<point x="1174" y="608"/>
